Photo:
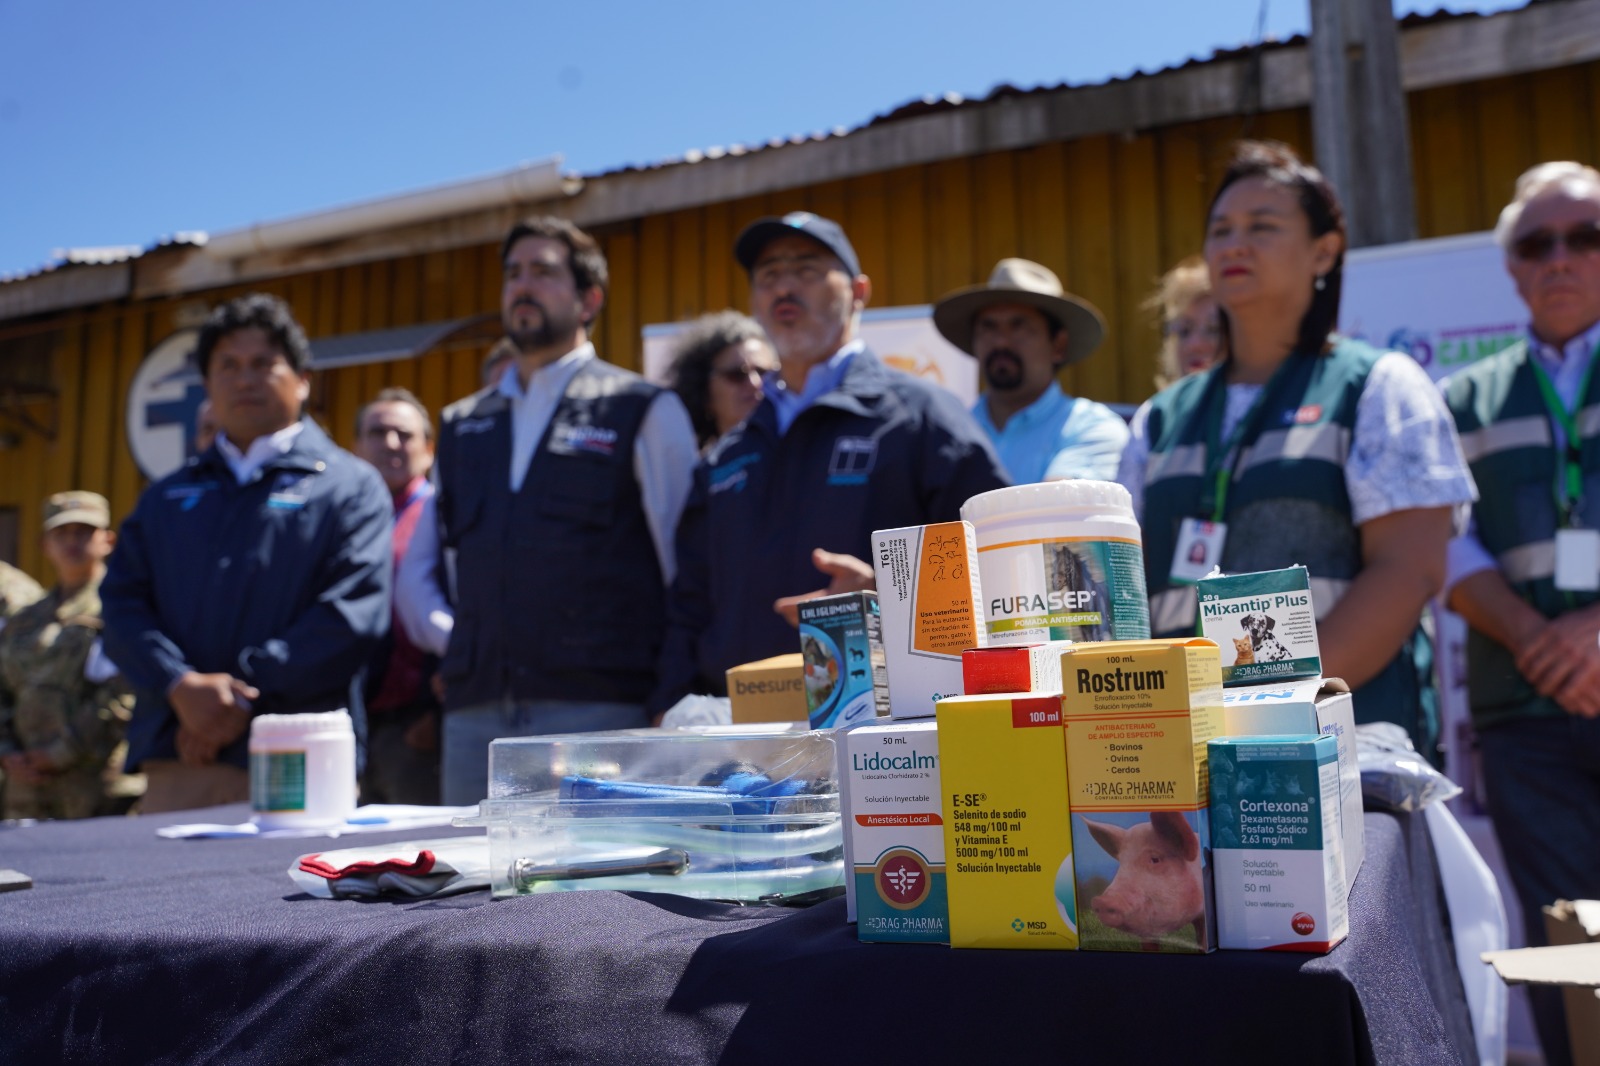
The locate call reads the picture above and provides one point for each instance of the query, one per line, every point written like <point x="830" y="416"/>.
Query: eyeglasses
<point x="1183" y="330"/>
<point x="739" y="375"/>
<point x="1540" y="244"/>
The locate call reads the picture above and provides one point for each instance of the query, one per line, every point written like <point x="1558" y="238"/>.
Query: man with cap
<point x="62" y="708"/>
<point x="252" y="580"/>
<point x="839" y="446"/>
<point x="1023" y="328"/>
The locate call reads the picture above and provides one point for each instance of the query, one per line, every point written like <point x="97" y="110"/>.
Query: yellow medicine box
<point x="1007" y="833"/>
<point x="1138" y="717"/>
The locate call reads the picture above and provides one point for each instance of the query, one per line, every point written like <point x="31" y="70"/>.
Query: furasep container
<point x="1061" y="560"/>
<point x="302" y="770"/>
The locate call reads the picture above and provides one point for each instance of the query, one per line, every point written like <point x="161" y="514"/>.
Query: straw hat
<point x="1018" y="281"/>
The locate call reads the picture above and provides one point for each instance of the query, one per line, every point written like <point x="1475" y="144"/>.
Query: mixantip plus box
<point x="1138" y="715"/>
<point x="1013" y="668"/>
<point x="895" y="831"/>
<point x="841" y="648"/>
<point x="1007" y="834"/>
<point x="1318" y="706"/>
<point x="1278" y="852"/>
<point x="1265" y="624"/>
<point x="932" y="611"/>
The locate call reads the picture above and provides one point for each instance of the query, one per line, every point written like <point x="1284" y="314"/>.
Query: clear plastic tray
<point x="748" y="813"/>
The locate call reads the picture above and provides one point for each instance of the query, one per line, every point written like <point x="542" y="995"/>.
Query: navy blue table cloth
<point x="133" y="949"/>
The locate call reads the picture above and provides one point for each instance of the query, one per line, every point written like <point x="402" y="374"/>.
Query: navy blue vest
<point x="559" y="588"/>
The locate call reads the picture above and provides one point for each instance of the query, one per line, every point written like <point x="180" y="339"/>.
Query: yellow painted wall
<point x="1107" y="213"/>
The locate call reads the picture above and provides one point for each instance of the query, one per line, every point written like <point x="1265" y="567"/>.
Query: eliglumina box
<point x="1318" y="706"/>
<point x="1007" y="833"/>
<point x="894" y="832"/>
<point x="841" y="648"/>
<point x="768" y="690"/>
<point x="1278" y="853"/>
<point x="1138" y="715"/>
<point x="932" y="610"/>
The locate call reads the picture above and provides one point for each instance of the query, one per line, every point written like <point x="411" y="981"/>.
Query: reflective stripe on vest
<point x="1329" y="442"/>
<point x="1528" y="562"/>
<point x="1530" y="431"/>
<point x="1186" y="460"/>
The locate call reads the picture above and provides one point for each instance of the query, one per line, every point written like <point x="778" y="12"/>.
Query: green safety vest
<point x="1287" y="505"/>
<point x="1505" y="434"/>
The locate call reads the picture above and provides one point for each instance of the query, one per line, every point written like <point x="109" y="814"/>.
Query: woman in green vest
<point x="1303" y="447"/>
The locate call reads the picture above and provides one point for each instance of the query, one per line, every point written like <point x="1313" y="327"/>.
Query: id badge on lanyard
<point x="1577" y="564"/>
<point x="1201" y="539"/>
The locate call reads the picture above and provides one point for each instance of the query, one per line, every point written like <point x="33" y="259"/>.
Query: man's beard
<point x="540" y="336"/>
<point x="1002" y="369"/>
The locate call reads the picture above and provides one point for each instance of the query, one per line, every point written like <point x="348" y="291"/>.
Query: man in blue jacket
<point x="255" y="579"/>
<point x="841" y="445"/>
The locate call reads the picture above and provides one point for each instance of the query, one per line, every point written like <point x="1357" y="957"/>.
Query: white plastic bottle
<point x="1060" y="560"/>
<point x="302" y="770"/>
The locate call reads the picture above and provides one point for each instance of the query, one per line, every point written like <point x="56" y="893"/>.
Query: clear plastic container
<point x="745" y="812"/>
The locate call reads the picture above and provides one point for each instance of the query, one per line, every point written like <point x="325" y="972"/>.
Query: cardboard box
<point x="1572" y="961"/>
<point x="932" y="611"/>
<point x="1013" y="668"/>
<point x="1138" y="717"/>
<point x="1277" y="856"/>
<point x="769" y="690"/>
<point x="1007" y="834"/>
<point x="894" y="832"/>
<point x="841" y="650"/>
<point x="1264" y="623"/>
<point x="1321" y="705"/>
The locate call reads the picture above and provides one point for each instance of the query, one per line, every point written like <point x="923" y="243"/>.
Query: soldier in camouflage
<point x="17" y="590"/>
<point x="62" y="708"/>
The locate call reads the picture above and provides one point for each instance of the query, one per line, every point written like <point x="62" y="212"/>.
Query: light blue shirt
<point x="1057" y="436"/>
<point x="823" y="378"/>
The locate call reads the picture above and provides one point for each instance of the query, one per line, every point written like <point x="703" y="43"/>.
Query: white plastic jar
<point x="1060" y="560"/>
<point x="302" y="770"/>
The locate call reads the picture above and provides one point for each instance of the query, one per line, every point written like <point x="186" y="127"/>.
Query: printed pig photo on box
<point x="1143" y="880"/>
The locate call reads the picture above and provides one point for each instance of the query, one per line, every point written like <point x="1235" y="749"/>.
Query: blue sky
<point x="121" y="122"/>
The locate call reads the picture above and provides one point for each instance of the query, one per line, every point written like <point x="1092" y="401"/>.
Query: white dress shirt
<point x="246" y="465"/>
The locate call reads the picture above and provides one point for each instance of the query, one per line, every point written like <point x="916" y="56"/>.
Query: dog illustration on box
<point x="1264" y="647"/>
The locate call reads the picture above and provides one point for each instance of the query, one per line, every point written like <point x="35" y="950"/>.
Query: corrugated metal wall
<point x="1107" y="213"/>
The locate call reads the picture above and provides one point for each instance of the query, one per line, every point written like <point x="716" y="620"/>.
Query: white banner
<point x="903" y="337"/>
<point x="1446" y="302"/>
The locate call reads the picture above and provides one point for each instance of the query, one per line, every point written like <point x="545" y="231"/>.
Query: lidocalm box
<point x="1278" y="852"/>
<point x="1264" y="623"/>
<point x="1318" y="706"/>
<point x="1138" y="715"/>
<point x="768" y="690"/>
<point x="896" y="831"/>
<point x="932" y="610"/>
<point x="841" y="651"/>
<point x="1013" y="668"/>
<point x="1007" y="833"/>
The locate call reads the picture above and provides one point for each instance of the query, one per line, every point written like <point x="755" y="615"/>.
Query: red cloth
<point x="405" y="672"/>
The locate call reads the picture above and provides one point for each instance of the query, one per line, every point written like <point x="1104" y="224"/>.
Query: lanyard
<point x="1568" y="489"/>
<point x="1220" y="473"/>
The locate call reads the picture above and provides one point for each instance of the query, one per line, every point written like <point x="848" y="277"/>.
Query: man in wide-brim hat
<point x="1022" y="327"/>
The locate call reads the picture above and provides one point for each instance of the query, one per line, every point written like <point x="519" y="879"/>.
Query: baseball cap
<point x="83" y="508"/>
<point x="824" y="231"/>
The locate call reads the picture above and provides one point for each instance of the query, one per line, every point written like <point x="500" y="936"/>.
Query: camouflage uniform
<point x="47" y="705"/>
<point x="17" y="590"/>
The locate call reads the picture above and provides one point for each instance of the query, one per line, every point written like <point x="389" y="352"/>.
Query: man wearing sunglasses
<point x="1527" y="575"/>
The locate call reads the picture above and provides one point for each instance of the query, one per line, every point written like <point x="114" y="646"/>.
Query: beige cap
<point x="83" y="508"/>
